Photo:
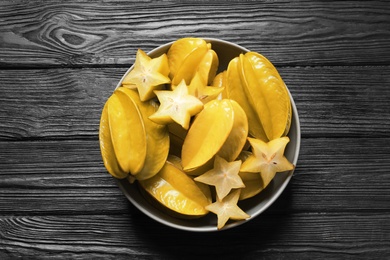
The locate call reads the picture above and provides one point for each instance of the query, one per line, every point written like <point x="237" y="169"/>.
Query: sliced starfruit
<point x="107" y="148"/>
<point x="266" y="93"/>
<point x="157" y="137"/>
<point x="267" y="158"/>
<point x="148" y="74"/>
<point x="208" y="133"/>
<point x="224" y="176"/>
<point x="176" y="106"/>
<point x="202" y="91"/>
<point x="254" y="182"/>
<point x="234" y="89"/>
<point x="227" y="208"/>
<point x="177" y="192"/>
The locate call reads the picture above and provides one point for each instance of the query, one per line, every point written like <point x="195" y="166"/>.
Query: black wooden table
<point x="59" y="62"/>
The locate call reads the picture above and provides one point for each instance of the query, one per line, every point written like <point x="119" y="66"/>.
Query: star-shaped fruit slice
<point x="203" y="92"/>
<point x="176" y="106"/>
<point x="148" y="74"/>
<point x="224" y="176"/>
<point x="227" y="208"/>
<point x="267" y="158"/>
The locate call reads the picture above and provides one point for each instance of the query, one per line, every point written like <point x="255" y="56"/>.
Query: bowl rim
<point x="123" y="184"/>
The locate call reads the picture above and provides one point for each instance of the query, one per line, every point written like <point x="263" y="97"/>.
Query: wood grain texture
<point x="60" y="61"/>
<point x="68" y="177"/>
<point x="291" y="236"/>
<point x="84" y="33"/>
<point x="332" y="101"/>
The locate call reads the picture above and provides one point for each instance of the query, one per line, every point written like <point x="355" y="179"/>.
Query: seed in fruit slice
<point x="227" y="208"/>
<point x="157" y="137"/>
<point x="147" y="75"/>
<point x="179" y="51"/>
<point x="177" y="191"/>
<point x="267" y="94"/>
<point x="237" y="137"/>
<point x="224" y="176"/>
<point x="235" y="90"/>
<point x="127" y="132"/>
<point x="107" y="148"/>
<point x="203" y="92"/>
<point x="267" y="158"/>
<point x="176" y="106"/>
<point x="207" y="133"/>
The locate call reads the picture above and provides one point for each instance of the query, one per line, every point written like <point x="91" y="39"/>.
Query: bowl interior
<point x="253" y="206"/>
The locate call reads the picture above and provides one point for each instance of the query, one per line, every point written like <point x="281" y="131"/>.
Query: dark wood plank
<point x="291" y="236"/>
<point x="82" y="33"/>
<point x="66" y="103"/>
<point x="58" y="177"/>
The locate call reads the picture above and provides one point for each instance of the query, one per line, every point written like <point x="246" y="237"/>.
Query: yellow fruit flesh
<point x="107" y="148"/>
<point x="147" y="75"/>
<point x="235" y="90"/>
<point x="176" y="191"/>
<point x="157" y="137"/>
<point x="254" y="182"/>
<point x="203" y="92"/>
<point x="176" y="106"/>
<point x="227" y="208"/>
<point x="237" y="137"/>
<point x="267" y="94"/>
<point x="207" y="134"/>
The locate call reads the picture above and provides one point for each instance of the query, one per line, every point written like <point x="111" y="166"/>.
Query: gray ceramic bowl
<point x="253" y="206"/>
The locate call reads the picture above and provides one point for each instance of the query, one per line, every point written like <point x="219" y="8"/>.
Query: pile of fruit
<point x="195" y="139"/>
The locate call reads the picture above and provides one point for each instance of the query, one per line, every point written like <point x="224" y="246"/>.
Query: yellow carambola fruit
<point x="107" y="148"/>
<point x="237" y="137"/>
<point x="177" y="192"/>
<point x="157" y="137"/>
<point x="122" y="136"/>
<point x="207" y="68"/>
<point x="207" y="134"/>
<point x="176" y="161"/>
<point x="127" y="132"/>
<point x="234" y="89"/>
<point x="148" y="74"/>
<point x="211" y="132"/>
<point x="254" y="182"/>
<point x="267" y="94"/>
<point x="179" y="51"/>
<point x="176" y="106"/>
<point x="188" y="56"/>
